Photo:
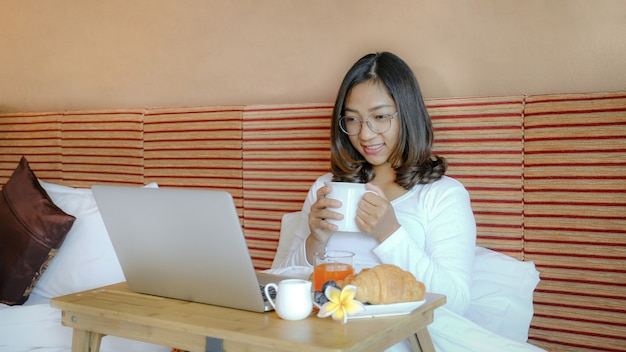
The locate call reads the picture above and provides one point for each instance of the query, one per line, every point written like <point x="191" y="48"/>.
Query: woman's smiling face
<point x="366" y="101"/>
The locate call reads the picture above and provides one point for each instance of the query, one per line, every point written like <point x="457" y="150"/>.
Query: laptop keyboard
<point x="271" y="290"/>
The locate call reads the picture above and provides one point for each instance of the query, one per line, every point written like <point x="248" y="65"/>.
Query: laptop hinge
<point x="214" y="345"/>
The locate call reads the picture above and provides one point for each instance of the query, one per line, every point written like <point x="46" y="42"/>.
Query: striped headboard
<point x="285" y="148"/>
<point x="100" y="147"/>
<point x="196" y="148"/>
<point x="575" y="219"/>
<point x="546" y="175"/>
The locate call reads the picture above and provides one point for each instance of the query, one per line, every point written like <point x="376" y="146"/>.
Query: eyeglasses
<point x="351" y="125"/>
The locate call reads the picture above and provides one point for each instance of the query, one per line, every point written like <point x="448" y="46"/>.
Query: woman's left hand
<point x="375" y="215"/>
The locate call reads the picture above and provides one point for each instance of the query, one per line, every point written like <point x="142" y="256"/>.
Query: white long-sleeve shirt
<point x="435" y="241"/>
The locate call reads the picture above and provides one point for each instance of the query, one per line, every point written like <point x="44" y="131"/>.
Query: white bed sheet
<point x="36" y="326"/>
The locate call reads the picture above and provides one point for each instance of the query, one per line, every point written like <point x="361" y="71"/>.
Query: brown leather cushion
<point x="32" y="228"/>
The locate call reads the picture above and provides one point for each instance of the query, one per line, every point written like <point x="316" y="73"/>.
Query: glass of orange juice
<point x="332" y="265"/>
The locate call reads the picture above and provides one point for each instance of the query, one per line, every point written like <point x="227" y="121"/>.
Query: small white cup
<point x="349" y="194"/>
<point x="293" y="298"/>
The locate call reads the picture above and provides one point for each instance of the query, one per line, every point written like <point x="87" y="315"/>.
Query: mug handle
<point x="267" y="293"/>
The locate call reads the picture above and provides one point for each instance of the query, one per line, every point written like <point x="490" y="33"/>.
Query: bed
<point x="520" y="157"/>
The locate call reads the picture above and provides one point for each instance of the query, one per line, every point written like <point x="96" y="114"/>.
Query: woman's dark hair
<point x="412" y="158"/>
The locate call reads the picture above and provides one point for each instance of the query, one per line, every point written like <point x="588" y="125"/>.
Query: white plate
<point x="384" y="310"/>
<point x="387" y="310"/>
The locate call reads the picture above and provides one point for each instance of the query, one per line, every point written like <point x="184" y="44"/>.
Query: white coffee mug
<point x="349" y="194"/>
<point x="293" y="298"/>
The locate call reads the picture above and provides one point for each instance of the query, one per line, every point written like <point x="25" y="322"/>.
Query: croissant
<point x="385" y="284"/>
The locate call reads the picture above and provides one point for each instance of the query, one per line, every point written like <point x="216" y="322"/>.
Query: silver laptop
<point x="182" y="243"/>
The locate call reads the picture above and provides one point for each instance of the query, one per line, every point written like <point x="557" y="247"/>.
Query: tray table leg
<point x="421" y="341"/>
<point x="85" y="341"/>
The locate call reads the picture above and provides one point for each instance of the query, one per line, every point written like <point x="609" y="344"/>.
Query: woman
<point x="415" y="218"/>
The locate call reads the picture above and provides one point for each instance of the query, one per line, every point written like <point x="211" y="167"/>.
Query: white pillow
<point x="502" y="294"/>
<point x="288" y="227"/>
<point x="86" y="258"/>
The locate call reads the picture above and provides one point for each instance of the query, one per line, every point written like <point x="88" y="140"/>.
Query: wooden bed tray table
<point x="116" y="310"/>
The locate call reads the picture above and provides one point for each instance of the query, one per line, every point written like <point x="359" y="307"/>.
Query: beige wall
<point x="88" y="54"/>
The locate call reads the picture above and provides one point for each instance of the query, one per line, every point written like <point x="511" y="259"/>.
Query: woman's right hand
<point x="319" y="227"/>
